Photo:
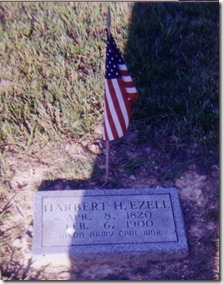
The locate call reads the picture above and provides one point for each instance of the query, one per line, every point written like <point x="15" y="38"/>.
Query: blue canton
<point x="113" y="58"/>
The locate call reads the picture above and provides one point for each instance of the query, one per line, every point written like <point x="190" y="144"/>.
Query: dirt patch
<point x="74" y="165"/>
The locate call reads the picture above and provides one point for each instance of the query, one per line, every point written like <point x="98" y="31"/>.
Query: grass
<point x="51" y="80"/>
<point x="52" y="58"/>
<point x="175" y="65"/>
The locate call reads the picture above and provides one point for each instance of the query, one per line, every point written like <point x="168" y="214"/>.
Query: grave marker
<point x="117" y="223"/>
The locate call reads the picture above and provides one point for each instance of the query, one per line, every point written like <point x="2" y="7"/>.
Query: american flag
<point x="120" y="93"/>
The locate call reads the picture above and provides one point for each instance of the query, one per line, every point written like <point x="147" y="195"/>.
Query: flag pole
<point x="107" y="162"/>
<point x="108" y="22"/>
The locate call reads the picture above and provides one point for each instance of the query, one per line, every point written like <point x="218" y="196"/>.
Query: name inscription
<point x="89" y="220"/>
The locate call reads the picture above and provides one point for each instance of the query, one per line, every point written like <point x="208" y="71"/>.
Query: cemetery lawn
<point x="52" y="58"/>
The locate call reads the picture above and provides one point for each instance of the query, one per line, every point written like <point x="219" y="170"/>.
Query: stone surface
<point x="109" y="224"/>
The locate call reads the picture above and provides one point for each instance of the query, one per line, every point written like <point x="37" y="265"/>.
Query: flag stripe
<point x="129" y="84"/>
<point x="131" y="90"/>
<point x="118" y="107"/>
<point x="126" y="78"/>
<point x="122" y="67"/>
<point x="105" y="134"/>
<point x="113" y="105"/>
<point x="121" y="101"/>
<point x="110" y="126"/>
<point x="107" y="124"/>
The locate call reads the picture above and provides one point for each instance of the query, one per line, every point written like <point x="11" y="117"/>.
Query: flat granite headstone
<point x="106" y="224"/>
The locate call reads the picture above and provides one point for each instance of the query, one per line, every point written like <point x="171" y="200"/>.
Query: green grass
<point x="52" y="70"/>
<point x="52" y="66"/>
<point x="173" y="53"/>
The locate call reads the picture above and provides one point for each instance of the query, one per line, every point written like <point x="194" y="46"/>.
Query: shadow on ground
<point x="162" y="52"/>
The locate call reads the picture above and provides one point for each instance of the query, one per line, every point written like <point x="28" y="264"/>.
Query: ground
<point x="80" y="164"/>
